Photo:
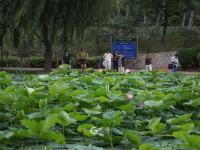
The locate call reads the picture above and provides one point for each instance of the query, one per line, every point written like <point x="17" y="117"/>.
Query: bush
<point x="11" y="62"/>
<point x="37" y="62"/>
<point x="92" y="62"/>
<point x="188" y="58"/>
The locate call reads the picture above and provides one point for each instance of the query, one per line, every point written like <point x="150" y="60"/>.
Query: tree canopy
<point x="63" y="22"/>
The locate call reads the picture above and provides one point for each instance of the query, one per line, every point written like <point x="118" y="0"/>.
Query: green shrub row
<point x="38" y="62"/>
<point x="189" y="57"/>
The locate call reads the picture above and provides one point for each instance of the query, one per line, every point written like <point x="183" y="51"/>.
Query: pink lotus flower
<point x="130" y="96"/>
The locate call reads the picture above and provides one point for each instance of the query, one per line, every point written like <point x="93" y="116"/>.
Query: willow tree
<point x="47" y="18"/>
<point x="8" y="10"/>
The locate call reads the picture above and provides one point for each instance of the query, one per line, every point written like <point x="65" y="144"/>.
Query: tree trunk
<point x="145" y="19"/>
<point x="1" y="50"/>
<point x="47" y="57"/>
<point x="183" y="20"/>
<point x="165" y="24"/>
<point x="158" y="19"/>
<point x="48" y="47"/>
<point x="191" y="19"/>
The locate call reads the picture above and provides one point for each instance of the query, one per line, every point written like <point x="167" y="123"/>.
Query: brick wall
<point x="160" y="60"/>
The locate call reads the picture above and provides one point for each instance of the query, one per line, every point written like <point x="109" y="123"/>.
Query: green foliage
<point x="85" y="129"/>
<point x="37" y="62"/>
<point x="94" y="108"/>
<point x="11" y="62"/>
<point x="148" y="147"/>
<point x="156" y="126"/>
<point x="135" y="139"/>
<point x="180" y="119"/>
<point x="188" y="57"/>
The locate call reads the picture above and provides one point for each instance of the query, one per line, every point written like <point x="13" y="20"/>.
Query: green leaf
<point x="49" y="122"/>
<point x="69" y="107"/>
<point x="42" y="103"/>
<point x="91" y="112"/>
<point x="31" y="124"/>
<point x="195" y="103"/>
<point x="180" y="119"/>
<point x="59" y="88"/>
<point x="6" y="99"/>
<point x="153" y="104"/>
<point x="100" y="92"/>
<point x="127" y="107"/>
<point x="43" y="77"/>
<point x="180" y="134"/>
<point x="193" y="142"/>
<point x="115" y="87"/>
<point x="65" y="119"/>
<point x="187" y="127"/>
<point x="135" y="139"/>
<point x="155" y="125"/>
<point x="102" y="99"/>
<point x="79" y="117"/>
<point x="30" y="90"/>
<point x="20" y="114"/>
<point x="147" y="146"/>
<point x="58" y="137"/>
<point x="112" y="117"/>
<point x="85" y="129"/>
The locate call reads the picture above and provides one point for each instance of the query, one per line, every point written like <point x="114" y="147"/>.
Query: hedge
<point x="38" y="62"/>
<point x="188" y="57"/>
<point x="11" y="62"/>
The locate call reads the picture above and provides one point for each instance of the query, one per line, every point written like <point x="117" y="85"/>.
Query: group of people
<point x="82" y="57"/>
<point x="172" y="63"/>
<point x="117" y="61"/>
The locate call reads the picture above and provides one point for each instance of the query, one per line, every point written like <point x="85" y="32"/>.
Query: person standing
<point x="115" y="62"/>
<point x="121" y="62"/>
<point x="107" y="60"/>
<point x="148" y="62"/>
<point x="66" y="58"/>
<point x="174" y="63"/>
<point x="82" y="57"/>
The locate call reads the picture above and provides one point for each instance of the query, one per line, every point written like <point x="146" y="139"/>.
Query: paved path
<point x="29" y="70"/>
<point x="41" y="70"/>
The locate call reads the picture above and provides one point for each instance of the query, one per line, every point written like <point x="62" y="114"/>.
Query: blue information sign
<point x="127" y="46"/>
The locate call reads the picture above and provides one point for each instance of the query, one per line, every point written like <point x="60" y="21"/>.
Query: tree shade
<point x="70" y="18"/>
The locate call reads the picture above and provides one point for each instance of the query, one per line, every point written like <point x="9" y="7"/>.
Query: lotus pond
<point x="99" y="111"/>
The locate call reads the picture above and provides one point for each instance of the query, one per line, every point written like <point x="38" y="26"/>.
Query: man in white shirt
<point x="107" y="60"/>
<point x="174" y="61"/>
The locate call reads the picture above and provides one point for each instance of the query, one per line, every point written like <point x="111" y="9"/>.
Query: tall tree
<point x="48" y="17"/>
<point x="7" y="13"/>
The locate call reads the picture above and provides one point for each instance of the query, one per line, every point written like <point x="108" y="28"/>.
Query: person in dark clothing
<point x="121" y="62"/>
<point x="66" y="58"/>
<point x="115" y="62"/>
<point x="148" y="62"/>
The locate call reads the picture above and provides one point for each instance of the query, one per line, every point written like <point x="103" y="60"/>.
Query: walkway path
<point x="41" y="70"/>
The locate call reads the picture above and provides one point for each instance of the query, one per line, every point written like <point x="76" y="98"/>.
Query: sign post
<point x="127" y="46"/>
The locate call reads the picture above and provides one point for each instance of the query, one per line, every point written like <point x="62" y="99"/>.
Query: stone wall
<point x="160" y="60"/>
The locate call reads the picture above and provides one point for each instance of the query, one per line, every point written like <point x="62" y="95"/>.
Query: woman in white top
<point x="107" y="60"/>
<point x="174" y="61"/>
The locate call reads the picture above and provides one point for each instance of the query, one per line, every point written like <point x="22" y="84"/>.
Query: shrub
<point x="37" y="62"/>
<point x="92" y="62"/>
<point x="188" y="57"/>
<point x="11" y="62"/>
